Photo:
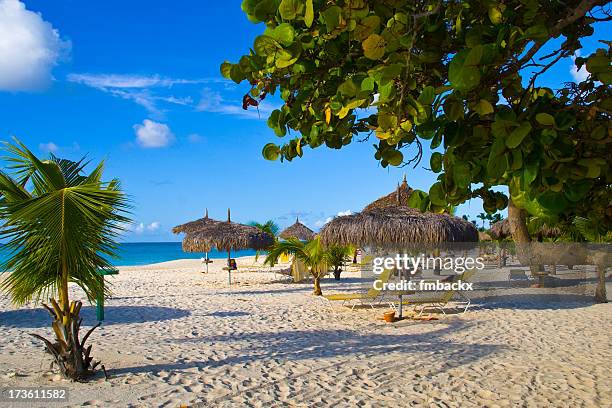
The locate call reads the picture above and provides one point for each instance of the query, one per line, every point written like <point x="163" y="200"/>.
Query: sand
<point x="175" y="336"/>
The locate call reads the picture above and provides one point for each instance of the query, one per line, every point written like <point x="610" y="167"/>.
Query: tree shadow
<point x="330" y="344"/>
<point x="39" y="317"/>
<point x="533" y="301"/>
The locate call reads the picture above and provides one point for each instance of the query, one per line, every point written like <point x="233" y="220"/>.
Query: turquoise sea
<point x="143" y="253"/>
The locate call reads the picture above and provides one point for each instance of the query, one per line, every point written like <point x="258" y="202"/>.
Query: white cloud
<point x="153" y="134"/>
<point x="195" y="138"/>
<point x="29" y="48"/>
<point x="321" y="223"/>
<point x="138" y="228"/>
<point x="154" y="226"/>
<point x="213" y="102"/>
<point x="49" y="147"/>
<point x="578" y="75"/>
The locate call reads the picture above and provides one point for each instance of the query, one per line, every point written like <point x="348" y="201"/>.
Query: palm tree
<point x="483" y="217"/>
<point x="269" y="227"/>
<point x="312" y="253"/>
<point x="338" y="254"/>
<point x="60" y="226"/>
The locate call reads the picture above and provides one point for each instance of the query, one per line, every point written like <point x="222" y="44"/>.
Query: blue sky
<point x="137" y="83"/>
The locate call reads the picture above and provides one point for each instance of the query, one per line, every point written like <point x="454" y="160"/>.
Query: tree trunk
<point x="600" y="291"/>
<point x="518" y="224"/>
<point x="317" y="286"/>
<point x="69" y="353"/>
<point x="337" y="272"/>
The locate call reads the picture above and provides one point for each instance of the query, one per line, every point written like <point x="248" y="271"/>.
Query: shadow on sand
<point x="533" y="301"/>
<point x="331" y="344"/>
<point x="36" y="318"/>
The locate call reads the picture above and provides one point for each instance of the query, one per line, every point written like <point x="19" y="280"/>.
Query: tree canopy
<point x="461" y="75"/>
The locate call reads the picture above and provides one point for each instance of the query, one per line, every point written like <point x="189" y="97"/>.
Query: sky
<point x="137" y="84"/>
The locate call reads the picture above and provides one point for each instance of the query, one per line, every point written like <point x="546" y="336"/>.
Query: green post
<point x="100" y="299"/>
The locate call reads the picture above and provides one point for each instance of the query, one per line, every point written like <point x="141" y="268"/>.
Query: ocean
<point x="143" y="253"/>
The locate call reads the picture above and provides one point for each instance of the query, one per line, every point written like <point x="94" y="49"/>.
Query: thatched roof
<point x="226" y="235"/>
<point x="483" y="236"/>
<point x="397" y="227"/>
<point x="299" y="231"/>
<point x="501" y="230"/>
<point x="398" y="197"/>
<point x="193" y="226"/>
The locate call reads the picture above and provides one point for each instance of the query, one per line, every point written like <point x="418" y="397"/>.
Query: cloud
<point x="138" y="88"/>
<point x="29" y="48"/>
<point x="195" y="138"/>
<point x="141" y="227"/>
<point x="154" y="226"/>
<point x="49" y="147"/>
<point x="578" y="75"/>
<point x="212" y="101"/>
<point x="320" y="223"/>
<point x="153" y="134"/>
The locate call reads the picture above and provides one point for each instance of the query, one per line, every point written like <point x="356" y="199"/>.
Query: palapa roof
<point x="193" y="226"/>
<point x="501" y="230"/>
<point x="398" y="197"/>
<point x="483" y="236"/>
<point x="397" y="226"/>
<point x="299" y="231"/>
<point x="226" y="235"/>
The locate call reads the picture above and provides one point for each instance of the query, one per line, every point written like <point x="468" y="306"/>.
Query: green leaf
<point x="366" y="26"/>
<point x="437" y="195"/>
<point x="225" y="69"/>
<point x="368" y="84"/>
<point x="283" y="33"/>
<point x="265" y="45"/>
<point x="394" y="157"/>
<point x="483" y="107"/>
<point x="331" y="17"/>
<point x="453" y="108"/>
<point x="435" y="162"/>
<point x="427" y="95"/>
<point x="348" y="88"/>
<point x="387" y="121"/>
<point x="462" y="75"/>
<point x="271" y="152"/>
<point x="309" y="13"/>
<point x="289" y="9"/>
<point x="374" y="47"/>
<point x="495" y="15"/>
<point x="552" y="202"/>
<point x="418" y="199"/>
<point x="518" y="134"/>
<point x="462" y="175"/>
<point x="545" y="119"/>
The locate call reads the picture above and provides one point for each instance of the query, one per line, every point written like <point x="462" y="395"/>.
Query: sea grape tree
<point x="462" y="75"/>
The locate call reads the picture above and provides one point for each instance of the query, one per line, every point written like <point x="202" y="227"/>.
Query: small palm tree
<point x="312" y="253"/>
<point x="338" y="254"/>
<point x="269" y="227"/>
<point x="60" y="226"/>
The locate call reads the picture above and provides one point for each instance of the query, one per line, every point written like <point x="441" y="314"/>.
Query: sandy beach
<point x="173" y="336"/>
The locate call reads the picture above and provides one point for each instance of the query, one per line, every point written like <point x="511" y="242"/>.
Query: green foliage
<point x="60" y="224"/>
<point x="447" y="74"/>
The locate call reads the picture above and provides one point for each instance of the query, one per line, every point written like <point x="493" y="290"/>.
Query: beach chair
<point x="517" y="274"/>
<point x="360" y="298"/>
<point x="438" y="300"/>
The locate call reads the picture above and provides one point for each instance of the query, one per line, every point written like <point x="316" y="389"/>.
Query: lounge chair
<point x="356" y="298"/>
<point x="517" y="274"/>
<point x="437" y="300"/>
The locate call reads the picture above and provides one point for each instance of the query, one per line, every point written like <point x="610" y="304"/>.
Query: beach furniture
<point x="360" y="298"/>
<point x="517" y="274"/>
<point x="100" y="298"/>
<point x="437" y="300"/>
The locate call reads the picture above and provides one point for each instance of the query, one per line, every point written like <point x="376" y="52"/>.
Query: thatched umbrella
<point x="397" y="227"/>
<point x="194" y="226"/>
<point x="483" y="236"/>
<point x="299" y="231"/>
<point x="227" y="236"/>
<point x="501" y="230"/>
<point x="398" y="197"/>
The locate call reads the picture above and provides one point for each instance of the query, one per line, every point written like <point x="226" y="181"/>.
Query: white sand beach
<point x="174" y="336"/>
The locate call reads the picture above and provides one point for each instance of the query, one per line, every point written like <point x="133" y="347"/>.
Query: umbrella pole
<point x="206" y="257"/>
<point x="229" y="269"/>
